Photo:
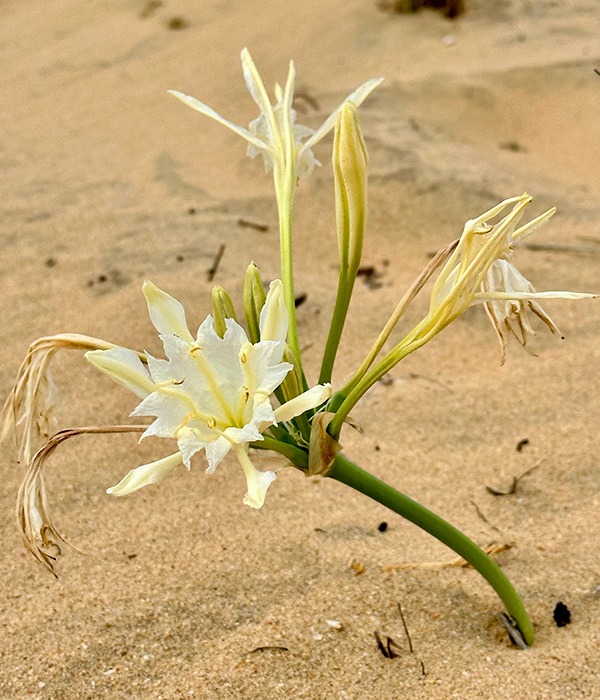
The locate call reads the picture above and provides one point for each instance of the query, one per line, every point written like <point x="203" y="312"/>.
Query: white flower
<point x="284" y="145"/>
<point x="212" y="393"/>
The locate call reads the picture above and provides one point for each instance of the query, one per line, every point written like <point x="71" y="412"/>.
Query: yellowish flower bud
<point x="222" y="309"/>
<point x="254" y="300"/>
<point x="350" y="161"/>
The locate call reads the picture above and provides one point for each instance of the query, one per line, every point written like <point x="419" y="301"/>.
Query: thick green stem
<point x="348" y="473"/>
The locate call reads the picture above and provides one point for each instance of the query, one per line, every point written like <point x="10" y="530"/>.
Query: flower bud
<point x="254" y="300"/>
<point x="222" y="309"/>
<point x="350" y="172"/>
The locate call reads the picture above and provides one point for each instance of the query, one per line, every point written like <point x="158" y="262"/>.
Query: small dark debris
<point x="131" y="556"/>
<point x="299" y="300"/>
<point x="521" y="444"/>
<point x="192" y="211"/>
<point x="561" y="614"/>
<point x="377" y="448"/>
<point x="149" y="8"/>
<point x="50" y="262"/>
<point x="513" y="146"/>
<point x="244" y="223"/>
<point x="179" y="258"/>
<point x="597" y="71"/>
<point x="371" y="276"/>
<point x="177" y="23"/>
<point x="387" y="647"/>
<point x="212" y="271"/>
<point x="406" y="631"/>
<point x="414" y="124"/>
<point x="513" y="487"/>
<point x="302" y="99"/>
<point x="114" y="278"/>
<point x="450" y="8"/>
<point x="385" y="262"/>
<point x="267" y="647"/>
<point x="382" y="527"/>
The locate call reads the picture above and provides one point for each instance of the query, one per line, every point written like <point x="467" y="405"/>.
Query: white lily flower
<point x="212" y="393"/>
<point x="284" y="145"/>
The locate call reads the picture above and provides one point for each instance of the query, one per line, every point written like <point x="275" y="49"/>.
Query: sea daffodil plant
<point x="230" y="389"/>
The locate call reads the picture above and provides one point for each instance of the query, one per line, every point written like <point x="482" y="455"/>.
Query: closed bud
<point x="254" y="300"/>
<point x="222" y="309"/>
<point x="350" y="160"/>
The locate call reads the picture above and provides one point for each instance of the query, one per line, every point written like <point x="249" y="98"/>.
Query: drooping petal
<point x="145" y="475"/>
<point x="258" y="482"/>
<point x="274" y="317"/>
<point x="166" y="313"/>
<point x="206" y="110"/>
<point x="304" y="402"/>
<point x="125" y="367"/>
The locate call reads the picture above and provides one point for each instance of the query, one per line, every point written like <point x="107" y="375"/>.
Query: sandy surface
<point x="100" y="170"/>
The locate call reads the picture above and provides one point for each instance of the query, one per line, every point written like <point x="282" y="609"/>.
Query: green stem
<point x="338" y="319"/>
<point x="285" y="196"/>
<point x="348" y="473"/>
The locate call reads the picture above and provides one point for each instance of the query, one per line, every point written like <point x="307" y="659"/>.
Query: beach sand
<point x="183" y="592"/>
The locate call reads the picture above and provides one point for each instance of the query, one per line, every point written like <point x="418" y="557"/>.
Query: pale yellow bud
<point x="222" y="309"/>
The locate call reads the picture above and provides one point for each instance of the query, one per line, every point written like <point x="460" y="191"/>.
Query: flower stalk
<point x="346" y="472"/>
<point x="350" y="178"/>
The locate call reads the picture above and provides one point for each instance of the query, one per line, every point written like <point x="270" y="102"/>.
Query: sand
<point x="106" y="180"/>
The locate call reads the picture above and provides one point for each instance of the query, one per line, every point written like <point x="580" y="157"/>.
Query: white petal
<point x="357" y="98"/>
<point x="190" y="441"/>
<point x="507" y="296"/>
<point x="166" y="313"/>
<point x="262" y="412"/>
<point x="242" y="436"/>
<point x="254" y="82"/>
<point x="170" y="413"/>
<point x="309" y="399"/>
<point x="258" y="482"/>
<point x="160" y="370"/>
<point x="274" y="318"/>
<point x="125" y="367"/>
<point x="152" y="473"/>
<point x="264" y="371"/>
<point x="206" y="110"/>
<point x="216" y="452"/>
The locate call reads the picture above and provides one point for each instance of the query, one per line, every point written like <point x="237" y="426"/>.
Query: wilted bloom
<point x="479" y="271"/>
<point x="284" y="145"/>
<point x="212" y="393"/>
<point x="31" y="405"/>
<point x="512" y="298"/>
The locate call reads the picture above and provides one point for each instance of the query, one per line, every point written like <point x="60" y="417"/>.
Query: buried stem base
<point x="348" y="473"/>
